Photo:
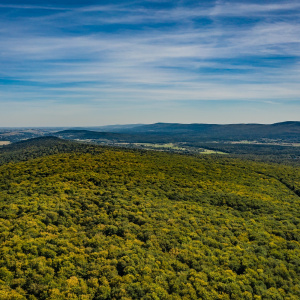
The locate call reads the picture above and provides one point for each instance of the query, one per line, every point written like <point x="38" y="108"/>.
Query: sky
<point x="90" y="63"/>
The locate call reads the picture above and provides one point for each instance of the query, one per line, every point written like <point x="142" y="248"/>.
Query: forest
<point x="87" y="222"/>
<point x="275" y="143"/>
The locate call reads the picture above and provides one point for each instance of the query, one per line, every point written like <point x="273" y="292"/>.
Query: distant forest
<point x="276" y="143"/>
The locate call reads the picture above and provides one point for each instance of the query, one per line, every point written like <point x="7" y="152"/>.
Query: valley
<point x="276" y="143"/>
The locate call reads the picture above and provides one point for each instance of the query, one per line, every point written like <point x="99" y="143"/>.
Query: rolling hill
<point x="175" y="132"/>
<point x="285" y="131"/>
<point x="164" y="132"/>
<point x="88" y="134"/>
<point x="87" y="222"/>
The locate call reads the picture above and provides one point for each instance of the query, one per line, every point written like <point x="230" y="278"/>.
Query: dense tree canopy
<point x="119" y="224"/>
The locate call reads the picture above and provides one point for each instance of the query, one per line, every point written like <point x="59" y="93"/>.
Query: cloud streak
<point x="136" y="53"/>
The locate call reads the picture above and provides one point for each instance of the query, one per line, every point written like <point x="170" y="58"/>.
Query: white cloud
<point x="227" y="8"/>
<point x="56" y="57"/>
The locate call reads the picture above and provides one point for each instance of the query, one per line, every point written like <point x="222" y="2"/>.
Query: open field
<point x="168" y="146"/>
<point x="2" y="143"/>
<point x="272" y="143"/>
<point x="208" y="151"/>
<point x="176" y="147"/>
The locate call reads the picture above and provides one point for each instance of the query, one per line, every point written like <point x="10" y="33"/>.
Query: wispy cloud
<point x="31" y="7"/>
<point x="226" y="8"/>
<point x="132" y="51"/>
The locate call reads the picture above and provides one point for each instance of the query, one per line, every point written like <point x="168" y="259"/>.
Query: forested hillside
<point x="287" y="131"/>
<point x="87" y="222"/>
<point x="260" y="152"/>
<point x="42" y="146"/>
<point x="173" y="132"/>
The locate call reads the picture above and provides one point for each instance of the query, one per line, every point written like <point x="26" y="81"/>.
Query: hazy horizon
<point x="136" y="124"/>
<point x="90" y="63"/>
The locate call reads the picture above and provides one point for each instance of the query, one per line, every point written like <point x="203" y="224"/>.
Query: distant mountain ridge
<point x="87" y="134"/>
<point x="204" y="126"/>
<point x="288" y="131"/>
<point x="107" y="128"/>
<point x="284" y="130"/>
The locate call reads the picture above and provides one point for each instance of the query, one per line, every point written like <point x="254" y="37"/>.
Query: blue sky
<point x="88" y="63"/>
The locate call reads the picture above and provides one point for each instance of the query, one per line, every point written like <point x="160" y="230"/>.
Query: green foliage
<point x="100" y="223"/>
<point x="279" y="153"/>
<point x="42" y="146"/>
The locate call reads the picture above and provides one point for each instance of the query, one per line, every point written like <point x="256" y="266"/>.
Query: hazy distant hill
<point x="174" y="132"/>
<point x="87" y="134"/>
<point x="164" y="132"/>
<point x="284" y="130"/>
<point x="109" y="128"/>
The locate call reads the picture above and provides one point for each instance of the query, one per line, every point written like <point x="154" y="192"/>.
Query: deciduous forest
<point x="88" y="222"/>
